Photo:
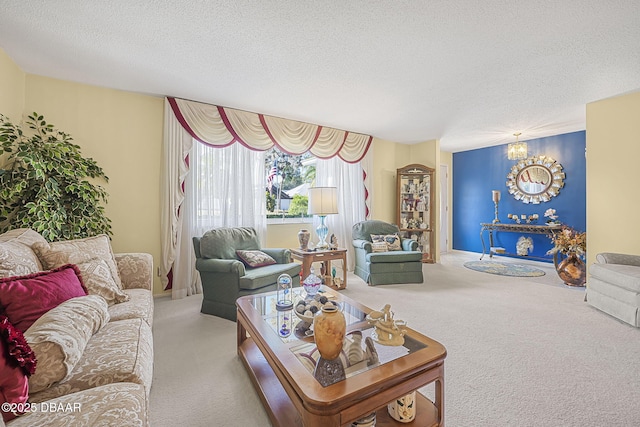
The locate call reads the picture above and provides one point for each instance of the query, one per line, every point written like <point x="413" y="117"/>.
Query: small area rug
<point x="504" y="269"/>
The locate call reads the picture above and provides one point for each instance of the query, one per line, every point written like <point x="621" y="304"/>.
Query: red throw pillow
<point x="23" y="299"/>
<point x="17" y="362"/>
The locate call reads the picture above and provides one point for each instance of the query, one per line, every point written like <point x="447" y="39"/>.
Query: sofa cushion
<point x="16" y="256"/>
<point x="94" y="258"/>
<point x="60" y="336"/>
<point x="255" y="258"/>
<point x="222" y="243"/>
<point x="25" y="298"/>
<point x="121" y="351"/>
<point x="625" y="276"/>
<point x="393" y="257"/>
<point x="17" y="361"/>
<point x="17" y="259"/>
<point x="139" y="306"/>
<point x="119" y="404"/>
<point x="256" y="278"/>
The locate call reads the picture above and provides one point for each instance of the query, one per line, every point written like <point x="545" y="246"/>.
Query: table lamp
<point x="323" y="201"/>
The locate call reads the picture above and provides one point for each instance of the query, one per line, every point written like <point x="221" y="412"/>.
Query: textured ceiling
<point x="467" y="73"/>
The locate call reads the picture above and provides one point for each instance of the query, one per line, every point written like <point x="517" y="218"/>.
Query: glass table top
<point x="287" y="325"/>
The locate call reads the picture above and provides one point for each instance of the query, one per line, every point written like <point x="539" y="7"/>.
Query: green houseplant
<point x="46" y="184"/>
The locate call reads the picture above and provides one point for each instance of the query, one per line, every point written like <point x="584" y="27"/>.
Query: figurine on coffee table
<point x="388" y="331"/>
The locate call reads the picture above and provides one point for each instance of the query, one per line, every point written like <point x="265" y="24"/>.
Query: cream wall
<point x="613" y="150"/>
<point x="122" y="131"/>
<point x="387" y="157"/>
<point x="286" y="235"/>
<point x="12" y="86"/>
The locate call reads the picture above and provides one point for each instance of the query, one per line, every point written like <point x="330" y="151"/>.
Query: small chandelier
<point x="517" y="150"/>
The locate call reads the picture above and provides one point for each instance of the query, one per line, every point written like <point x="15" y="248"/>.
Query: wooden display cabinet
<point x="415" y="204"/>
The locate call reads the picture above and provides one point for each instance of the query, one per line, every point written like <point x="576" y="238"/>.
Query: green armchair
<point x="225" y="277"/>
<point x="383" y="268"/>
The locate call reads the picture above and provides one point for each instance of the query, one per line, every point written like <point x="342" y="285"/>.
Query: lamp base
<point x="322" y="230"/>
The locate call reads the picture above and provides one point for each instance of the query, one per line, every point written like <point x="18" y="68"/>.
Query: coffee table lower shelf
<point x="283" y="413"/>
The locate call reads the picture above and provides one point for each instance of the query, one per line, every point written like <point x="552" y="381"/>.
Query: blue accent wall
<point x="477" y="172"/>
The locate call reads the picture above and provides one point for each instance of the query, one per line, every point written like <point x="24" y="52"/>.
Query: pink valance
<point x="221" y="126"/>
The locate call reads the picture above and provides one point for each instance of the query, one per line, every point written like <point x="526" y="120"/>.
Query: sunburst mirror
<point x="535" y="179"/>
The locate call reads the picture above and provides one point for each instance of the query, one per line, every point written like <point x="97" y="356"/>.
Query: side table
<point x="325" y="257"/>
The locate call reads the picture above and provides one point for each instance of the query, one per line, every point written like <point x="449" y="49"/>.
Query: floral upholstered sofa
<point x="75" y="327"/>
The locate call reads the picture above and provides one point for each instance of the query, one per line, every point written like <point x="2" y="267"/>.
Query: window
<point x="288" y="180"/>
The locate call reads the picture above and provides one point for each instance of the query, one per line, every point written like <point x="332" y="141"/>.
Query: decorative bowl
<point x="309" y="302"/>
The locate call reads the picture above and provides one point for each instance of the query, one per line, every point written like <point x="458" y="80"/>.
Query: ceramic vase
<point x="329" y="328"/>
<point x="403" y="409"/>
<point x="303" y="238"/>
<point x="572" y="270"/>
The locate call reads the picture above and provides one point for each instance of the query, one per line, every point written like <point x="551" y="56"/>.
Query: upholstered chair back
<point x="363" y="230"/>
<point x="222" y="243"/>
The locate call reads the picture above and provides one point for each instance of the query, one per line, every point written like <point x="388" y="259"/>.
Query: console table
<point x="512" y="228"/>
<point x="307" y="258"/>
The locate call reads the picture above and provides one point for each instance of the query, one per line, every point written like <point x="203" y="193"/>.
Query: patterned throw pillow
<point x="255" y="258"/>
<point x="379" y="247"/>
<point x="391" y="240"/>
<point x="94" y="258"/>
<point x="16" y="256"/>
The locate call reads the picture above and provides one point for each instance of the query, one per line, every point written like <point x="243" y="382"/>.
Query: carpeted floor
<point x="522" y="351"/>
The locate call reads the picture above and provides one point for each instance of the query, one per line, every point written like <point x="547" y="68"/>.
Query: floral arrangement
<point x="568" y="241"/>
<point x="551" y="214"/>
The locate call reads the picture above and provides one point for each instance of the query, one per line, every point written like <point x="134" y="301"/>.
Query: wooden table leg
<point x="344" y="271"/>
<point x="440" y="399"/>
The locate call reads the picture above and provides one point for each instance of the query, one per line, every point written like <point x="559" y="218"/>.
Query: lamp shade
<point x="323" y="200"/>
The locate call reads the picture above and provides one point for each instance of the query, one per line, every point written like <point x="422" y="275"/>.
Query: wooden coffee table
<point x="293" y="397"/>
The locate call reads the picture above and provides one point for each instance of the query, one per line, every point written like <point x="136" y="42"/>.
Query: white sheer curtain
<point x="349" y="180"/>
<point x="224" y="188"/>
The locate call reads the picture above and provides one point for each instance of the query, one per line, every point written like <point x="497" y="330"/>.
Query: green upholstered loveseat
<point x="225" y="277"/>
<point x="383" y="268"/>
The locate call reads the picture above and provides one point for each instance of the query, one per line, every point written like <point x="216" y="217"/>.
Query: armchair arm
<point x="220" y="266"/>
<point x="281" y="255"/>
<point x="409" y="245"/>
<point x="135" y="270"/>
<point x="362" y="244"/>
<point x="615" y="258"/>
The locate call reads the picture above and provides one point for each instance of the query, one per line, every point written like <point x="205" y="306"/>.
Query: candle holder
<point x="495" y="195"/>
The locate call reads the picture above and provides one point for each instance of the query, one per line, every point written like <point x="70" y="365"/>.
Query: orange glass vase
<point x="329" y="328"/>
<point x="572" y="270"/>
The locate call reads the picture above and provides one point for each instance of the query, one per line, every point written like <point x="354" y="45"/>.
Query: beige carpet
<point x="521" y="352"/>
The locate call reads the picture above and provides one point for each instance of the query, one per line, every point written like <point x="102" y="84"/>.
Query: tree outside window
<point x="288" y="180"/>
